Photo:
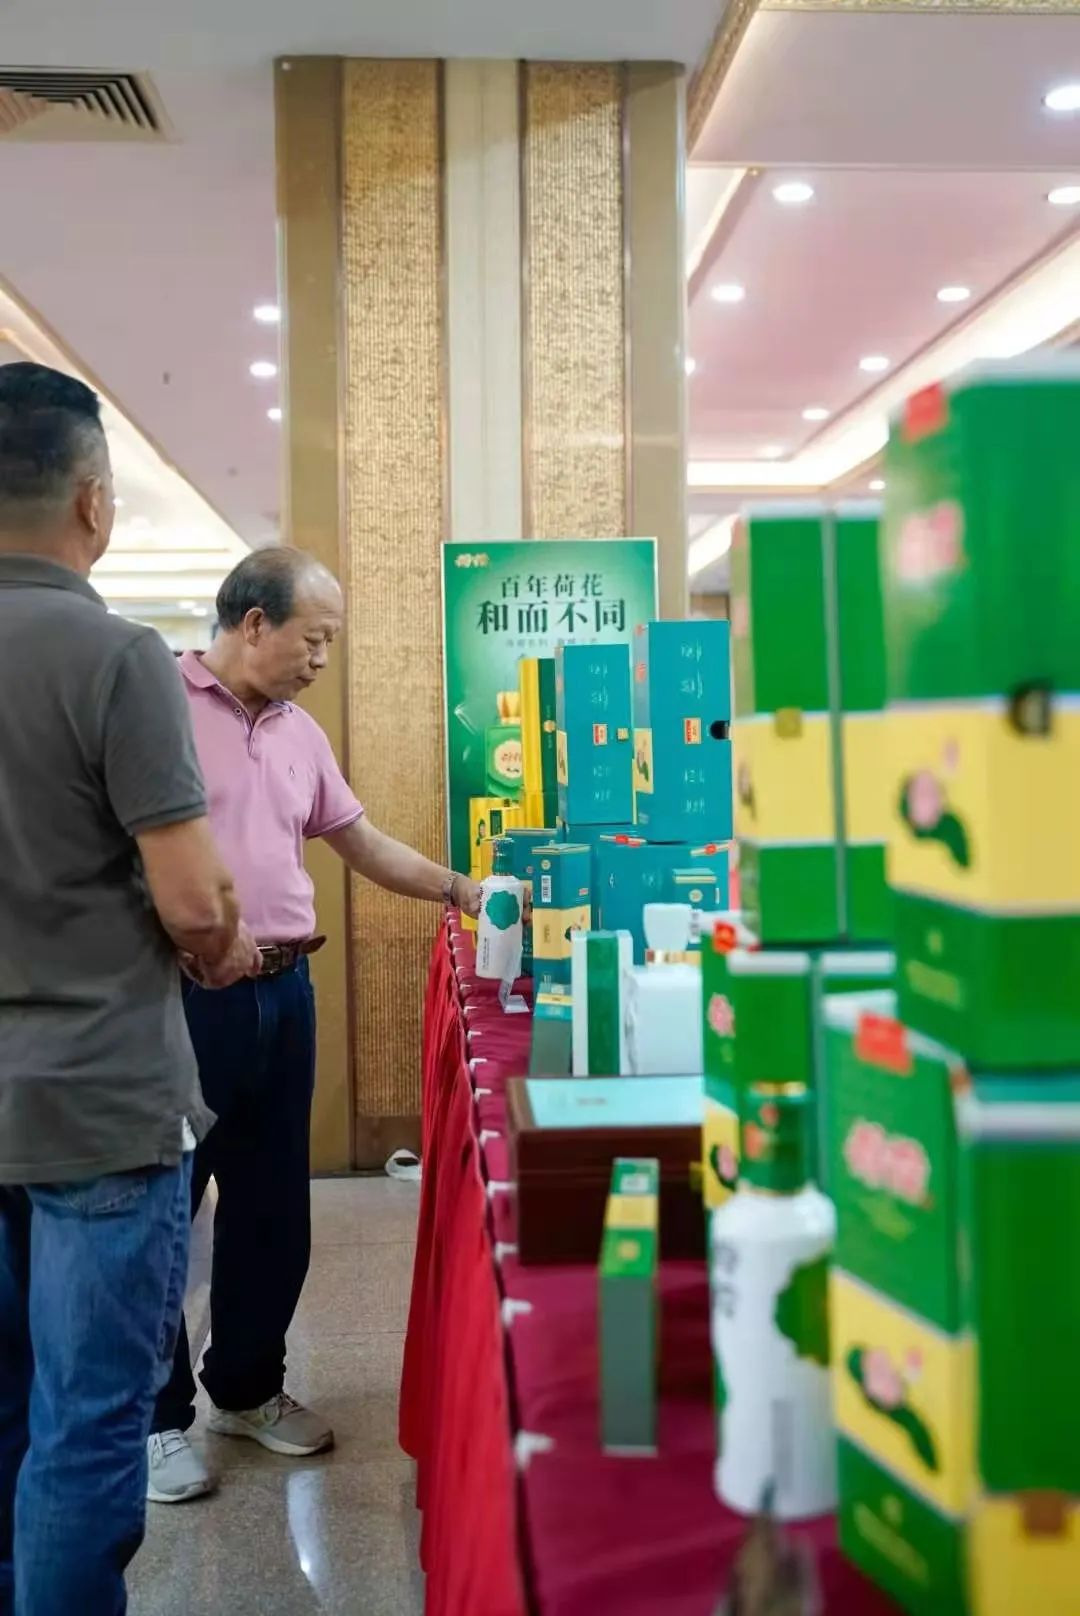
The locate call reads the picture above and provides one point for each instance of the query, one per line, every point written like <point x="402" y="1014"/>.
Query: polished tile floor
<point x="336" y="1535"/>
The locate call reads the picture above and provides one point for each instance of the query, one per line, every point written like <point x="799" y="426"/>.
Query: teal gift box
<point x="594" y="742"/>
<point x="682" y="730"/>
<point x="630" y="872"/>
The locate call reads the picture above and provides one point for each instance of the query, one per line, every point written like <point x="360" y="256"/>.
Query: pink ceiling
<point x="855" y="272"/>
<point x="901" y="89"/>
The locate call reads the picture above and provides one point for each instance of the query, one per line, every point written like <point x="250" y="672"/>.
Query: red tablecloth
<point x="522" y="1511"/>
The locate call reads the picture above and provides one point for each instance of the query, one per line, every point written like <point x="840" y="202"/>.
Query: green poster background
<point x="509" y="600"/>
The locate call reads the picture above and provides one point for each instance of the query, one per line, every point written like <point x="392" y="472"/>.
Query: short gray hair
<point x="264" y="581"/>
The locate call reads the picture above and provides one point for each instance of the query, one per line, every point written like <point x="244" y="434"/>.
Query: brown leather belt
<point x="277" y="958"/>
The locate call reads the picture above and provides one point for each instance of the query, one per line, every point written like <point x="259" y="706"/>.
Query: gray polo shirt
<point x="96" y="1067"/>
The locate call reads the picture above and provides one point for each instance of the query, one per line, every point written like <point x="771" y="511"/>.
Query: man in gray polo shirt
<point x="107" y="868"/>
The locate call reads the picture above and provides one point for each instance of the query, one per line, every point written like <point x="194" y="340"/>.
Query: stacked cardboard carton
<point x="955" y="1108"/>
<point x="810" y="808"/>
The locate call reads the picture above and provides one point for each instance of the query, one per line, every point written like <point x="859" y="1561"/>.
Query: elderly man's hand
<point x="243" y="959"/>
<point x="470" y="895"/>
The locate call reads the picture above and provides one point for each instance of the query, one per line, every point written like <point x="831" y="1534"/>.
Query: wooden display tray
<point x="563" y="1173"/>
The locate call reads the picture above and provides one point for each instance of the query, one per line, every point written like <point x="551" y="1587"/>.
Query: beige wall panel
<point x="394" y="510"/>
<point x="308" y="98"/>
<point x="656" y="319"/>
<point x="573" y="325"/>
<point x="483" y="299"/>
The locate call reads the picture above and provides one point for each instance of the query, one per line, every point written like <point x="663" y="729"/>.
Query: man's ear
<point x="89" y="504"/>
<point x="254" y="625"/>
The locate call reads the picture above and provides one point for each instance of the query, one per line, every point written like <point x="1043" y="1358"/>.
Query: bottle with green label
<point x="770" y="1247"/>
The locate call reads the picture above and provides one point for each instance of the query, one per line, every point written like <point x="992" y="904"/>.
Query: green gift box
<point x="981" y="563"/>
<point x="894" y="1167"/>
<point x="1020" y="1138"/>
<point x="562" y="904"/>
<point x="811" y="805"/>
<point x="682" y="722"/>
<point x="912" y="1550"/>
<point x="594" y="751"/>
<point x="631" y="872"/>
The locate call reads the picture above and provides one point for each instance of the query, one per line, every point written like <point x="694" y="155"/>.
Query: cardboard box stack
<point x="954" y="1117"/>
<point x="811" y="810"/>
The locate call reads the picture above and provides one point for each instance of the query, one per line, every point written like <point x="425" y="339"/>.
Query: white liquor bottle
<point x="770" y="1246"/>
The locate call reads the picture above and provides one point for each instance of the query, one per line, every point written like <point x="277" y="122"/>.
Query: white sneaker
<point x="176" y="1472"/>
<point x="283" y="1425"/>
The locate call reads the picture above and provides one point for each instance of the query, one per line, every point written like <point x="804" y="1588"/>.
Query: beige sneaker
<point x="283" y="1425"/>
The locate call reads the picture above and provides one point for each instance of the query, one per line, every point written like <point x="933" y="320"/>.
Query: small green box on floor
<point x="682" y="722"/>
<point x="552" y="1047"/>
<point x="629" y="1335"/>
<point x="562" y="904"/>
<point x="594" y="743"/>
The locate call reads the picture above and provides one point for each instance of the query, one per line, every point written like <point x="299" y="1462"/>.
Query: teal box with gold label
<point x="682" y="730"/>
<point x="593" y="743"/>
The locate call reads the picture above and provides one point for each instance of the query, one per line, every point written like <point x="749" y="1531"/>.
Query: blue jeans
<point x="255" y="1044"/>
<point x="92" y="1280"/>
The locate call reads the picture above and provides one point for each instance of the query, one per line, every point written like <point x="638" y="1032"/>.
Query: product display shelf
<point x="523" y="1512"/>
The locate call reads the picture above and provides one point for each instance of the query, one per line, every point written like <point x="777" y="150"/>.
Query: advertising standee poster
<point x="507" y="600"/>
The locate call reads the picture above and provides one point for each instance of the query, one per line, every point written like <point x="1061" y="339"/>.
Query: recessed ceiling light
<point x="793" y="193"/>
<point x="771" y="451"/>
<point x="263" y="370"/>
<point x="1064" y="196"/>
<point x="1063" y="98"/>
<point x="119" y="502"/>
<point x="187" y="605"/>
<point x="878" y="485"/>
<point x="267" y="313"/>
<point x="728" y="292"/>
<point x="274" y="413"/>
<point x="815" y="412"/>
<point x="873" y="364"/>
<point x="691" y="365"/>
<point x="200" y="611"/>
<point x="954" y="294"/>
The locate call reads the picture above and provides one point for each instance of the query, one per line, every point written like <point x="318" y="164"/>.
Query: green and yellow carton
<point x="502" y="760"/>
<point x="915" y="1552"/>
<point x="894" y="1162"/>
<point x="594" y="750"/>
<point x="982" y="592"/>
<point x="629" y="1326"/>
<point x="1024" y="1555"/>
<point x="1021" y="1151"/>
<point x="489" y="817"/>
<point x="811" y="811"/>
<point x="682" y="730"/>
<point x="562" y="903"/>
<point x="536" y="683"/>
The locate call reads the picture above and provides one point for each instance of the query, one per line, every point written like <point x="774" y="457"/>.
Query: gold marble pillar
<point x="484" y="293"/>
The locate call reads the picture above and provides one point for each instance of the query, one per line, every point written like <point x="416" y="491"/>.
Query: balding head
<point x="56" y="494"/>
<point x="279" y="611"/>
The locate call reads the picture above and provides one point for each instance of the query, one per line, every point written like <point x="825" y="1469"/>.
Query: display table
<point x="522" y="1512"/>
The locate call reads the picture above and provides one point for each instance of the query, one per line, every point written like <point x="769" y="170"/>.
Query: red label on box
<point x="925" y="413"/>
<point x="639" y="672"/>
<point x="692" y="731"/>
<point x="599" y="735"/>
<point x="882" y="1041"/>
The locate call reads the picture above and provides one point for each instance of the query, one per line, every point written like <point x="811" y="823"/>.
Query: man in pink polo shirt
<point x="272" y="783"/>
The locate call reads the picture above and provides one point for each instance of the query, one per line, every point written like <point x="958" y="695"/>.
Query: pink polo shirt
<point x="271" y="785"/>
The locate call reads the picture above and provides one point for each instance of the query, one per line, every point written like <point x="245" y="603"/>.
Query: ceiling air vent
<point x="39" y="103"/>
